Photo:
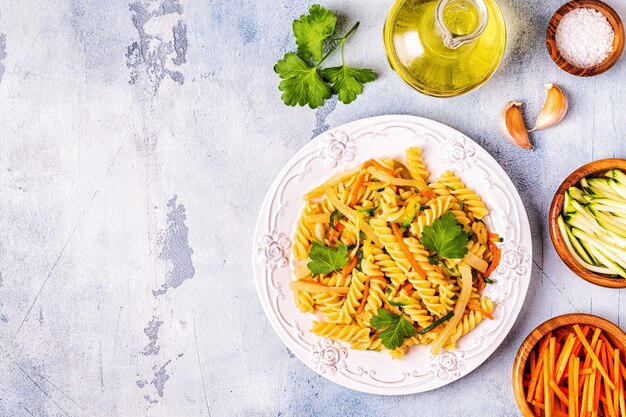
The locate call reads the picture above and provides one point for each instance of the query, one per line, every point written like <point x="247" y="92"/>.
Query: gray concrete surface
<point x="137" y="140"/>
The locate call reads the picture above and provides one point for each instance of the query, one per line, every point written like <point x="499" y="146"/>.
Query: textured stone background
<point x="137" y="141"/>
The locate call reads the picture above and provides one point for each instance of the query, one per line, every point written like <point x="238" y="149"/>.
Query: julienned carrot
<point x="616" y="363"/>
<point x="365" y="294"/>
<point x="547" y="392"/>
<point x="604" y="387"/>
<point x="578" y="345"/>
<point x="591" y="353"/>
<point x="480" y="282"/>
<point x="347" y="270"/>
<point x="481" y="310"/>
<point x="552" y="347"/>
<point x="564" y="357"/>
<point x="558" y="392"/>
<point x="380" y="167"/>
<point x="497" y="253"/>
<point x="594" y="396"/>
<point x="356" y="188"/>
<point x="543" y="407"/>
<point x="607" y="391"/>
<point x="558" y="383"/>
<point x="576" y="388"/>
<point x="536" y="375"/>
<point x="594" y="340"/>
<point x="405" y="250"/>
<point x="622" y="401"/>
<point x="335" y="232"/>
<point x="572" y="395"/>
<point x="583" y="399"/>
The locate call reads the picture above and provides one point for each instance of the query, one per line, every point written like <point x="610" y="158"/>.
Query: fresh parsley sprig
<point x="446" y="237"/>
<point x="326" y="259"/>
<point x="397" y="328"/>
<point x="303" y="80"/>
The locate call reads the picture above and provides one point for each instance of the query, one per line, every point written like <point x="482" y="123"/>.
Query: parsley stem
<point x="341" y="41"/>
<point x="351" y="31"/>
<point x="343" y="48"/>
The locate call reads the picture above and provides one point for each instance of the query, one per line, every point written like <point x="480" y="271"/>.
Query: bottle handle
<point x="451" y="40"/>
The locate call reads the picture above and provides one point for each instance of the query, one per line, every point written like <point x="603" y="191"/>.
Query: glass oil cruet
<point x="445" y="48"/>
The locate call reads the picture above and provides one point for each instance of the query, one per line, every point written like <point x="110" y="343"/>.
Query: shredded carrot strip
<point x="480" y="282"/>
<point x="366" y="291"/>
<point x="594" y="340"/>
<point x="558" y="391"/>
<point x="583" y="399"/>
<point x="380" y="167"/>
<point x="564" y="356"/>
<point x="409" y="256"/>
<point x="593" y="356"/>
<point x="347" y="270"/>
<point x="482" y="311"/>
<point x="547" y="392"/>
<point x="497" y="254"/>
<point x="408" y="288"/>
<point x="577" y="345"/>
<point x="557" y="413"/>
<point x="334" y="234"/>
<point x="356" y="188"/>
<point x="572" y="395"/>
<point x="616" y="363"/>
<point x="606" y="357"/>
<point x="576" y="387"/>
<point x="622" y="401"/>
<point x="535" y="377"/>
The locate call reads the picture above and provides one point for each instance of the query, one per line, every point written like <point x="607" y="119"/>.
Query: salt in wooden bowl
<point x="618" y="44"/>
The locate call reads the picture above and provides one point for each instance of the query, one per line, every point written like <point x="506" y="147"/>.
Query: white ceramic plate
<point x="349" y="145"/>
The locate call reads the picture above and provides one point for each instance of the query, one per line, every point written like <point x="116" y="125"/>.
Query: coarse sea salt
<point x="584" y="37"/>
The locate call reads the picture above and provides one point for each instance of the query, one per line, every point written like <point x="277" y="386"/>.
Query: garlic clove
<point x="512" y="125"/>
<point x="554" y="109"/>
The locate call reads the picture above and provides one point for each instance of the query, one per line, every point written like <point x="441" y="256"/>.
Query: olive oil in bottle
<point x="445" y="48"/>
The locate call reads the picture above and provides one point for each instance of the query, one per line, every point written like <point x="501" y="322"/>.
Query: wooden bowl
<point x="592" y="169"/>
<point x="618" y="44"/>
<point x="613" y="333"/>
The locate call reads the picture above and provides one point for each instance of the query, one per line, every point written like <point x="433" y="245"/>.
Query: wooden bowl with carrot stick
<point x="572" y="365"/>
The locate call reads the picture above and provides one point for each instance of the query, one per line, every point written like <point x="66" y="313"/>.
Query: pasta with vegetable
<point x="388" y="260"/>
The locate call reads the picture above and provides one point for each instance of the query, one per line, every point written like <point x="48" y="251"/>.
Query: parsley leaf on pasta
<point x="311" y="31"/>
<point x="325" y="259"/>
<point x="347" y="81"/>
<point x="397" y="328"/>
<point x="301" y="83"/>
<point x="446" y="237"/>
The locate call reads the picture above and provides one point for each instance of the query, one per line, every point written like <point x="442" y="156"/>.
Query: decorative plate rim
<point x="328" y="358"/>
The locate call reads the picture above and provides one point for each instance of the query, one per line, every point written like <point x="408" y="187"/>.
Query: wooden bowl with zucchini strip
<point x="587" y="222"/>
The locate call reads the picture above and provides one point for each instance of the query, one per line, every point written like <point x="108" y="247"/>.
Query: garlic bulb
<point x="512" y="125"/>
<point x="554" y="109"/>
